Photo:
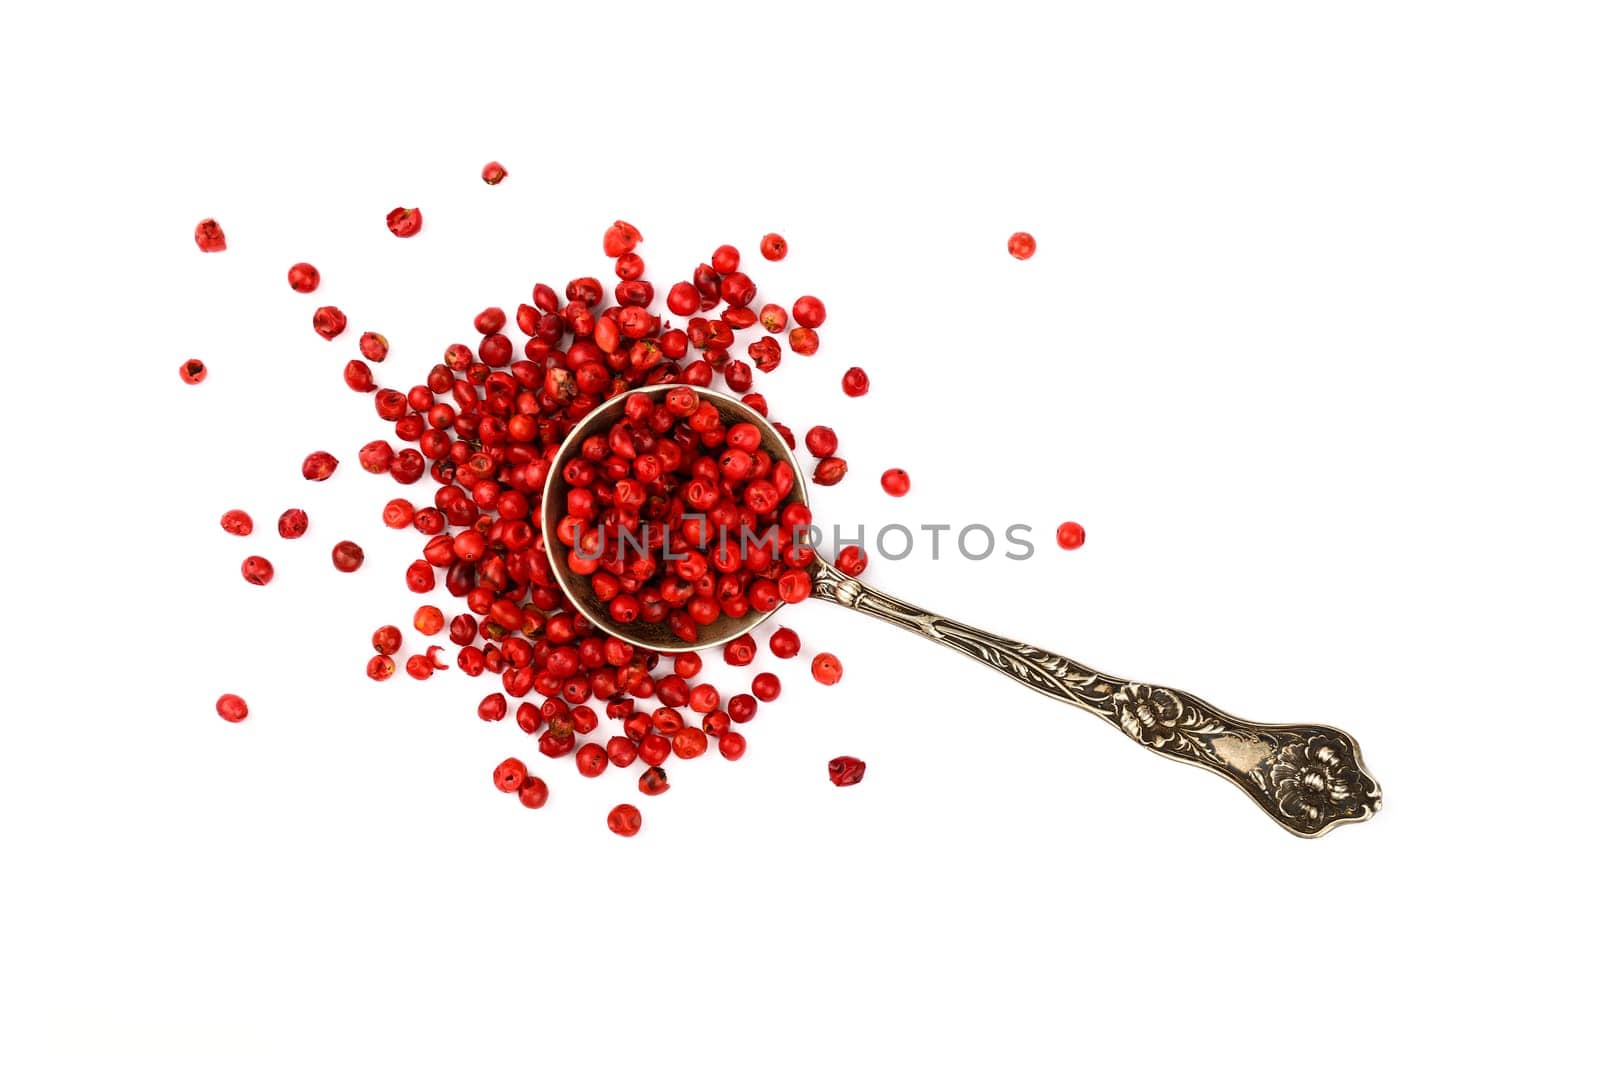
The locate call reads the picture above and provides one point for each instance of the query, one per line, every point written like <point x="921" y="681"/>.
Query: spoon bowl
<point x="655" y="636"/>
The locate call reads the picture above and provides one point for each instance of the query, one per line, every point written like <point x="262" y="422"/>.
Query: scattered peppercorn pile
<point x="486" y="427"/>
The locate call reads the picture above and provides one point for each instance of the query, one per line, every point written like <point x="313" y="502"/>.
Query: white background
<point x="1309" y="347"/>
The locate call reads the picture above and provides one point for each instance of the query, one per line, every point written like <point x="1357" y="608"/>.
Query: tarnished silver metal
<point x="1309" y="778"/>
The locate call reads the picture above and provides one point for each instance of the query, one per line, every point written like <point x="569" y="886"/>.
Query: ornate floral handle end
<point x="1309" y="778"/>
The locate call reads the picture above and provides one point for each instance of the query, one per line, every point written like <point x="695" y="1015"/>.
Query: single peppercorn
<point x="630" y="266"/>
<point x="257" y="570"/>
<point x="557" y="742"/>
<point x="420" y="577"/>
<point x="654" y="748"/>
<point x="405" y="223"/>
<point x="794" y="586"/>
<point x="784" y="643"/>
<point x="740" y="651"/>
<point x="821" y="441"/>
<point x="318" y="467"/>
<point x="683" y="299"/>
<point x="238" y="523"/>
<point x="830" y="471"/>
<point x="826" y="669"/>
<point x="809" y="311"/>
<point x="689" y="743"/>
<point x="209" y="238"/>
<point x="193" y="371"/>
<point x="380" y="667"/>
<point x="624" y="820"/>
<point x="493" y="707"/>
<point x="765" y="353"/>
<point x="328" y="321"/>
<point x="1069" y="535"/>
<point x="374" y="346"/>
<point x="358" y="376"/>
<point x="766" y="687"/>
<point x="398" y="513"/>
<point x="304" y="277"/>
<point x="408" y="467"/>
<point x="292" y="524"/>
<point x="376" y="457"/>
<point x="348" y="556"/>
<point x="387" y="639"/>
<point x="510" y="775"/>
<point x="845" y="770"/>
<point x="852" y="560"/>
<point x="1021" y="246"/>
<point x="774" y="247"/>
<point x="592" y="760"/>
<point x="489" y="321"/>
<point x="619" y="239"/>
<point x="896" y="482"/>
<point x="493" y="173"/>
<point x="737" y="290"/>
<point x="855" y="382"/>
<point x="232" y="708"/>
<point x="774" y="318"/>
<point x="534" y="793"/>
<point x="584" y="719"/>
<point x="621" y="751"/>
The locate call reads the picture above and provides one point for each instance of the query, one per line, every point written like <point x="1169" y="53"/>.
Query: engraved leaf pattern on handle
<point x="1308" y="778"/>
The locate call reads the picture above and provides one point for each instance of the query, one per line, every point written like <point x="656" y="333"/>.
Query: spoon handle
<point x="1308" y="777"/>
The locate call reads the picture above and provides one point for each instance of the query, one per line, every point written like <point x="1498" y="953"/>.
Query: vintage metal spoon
<point x="1309" y="778"/>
